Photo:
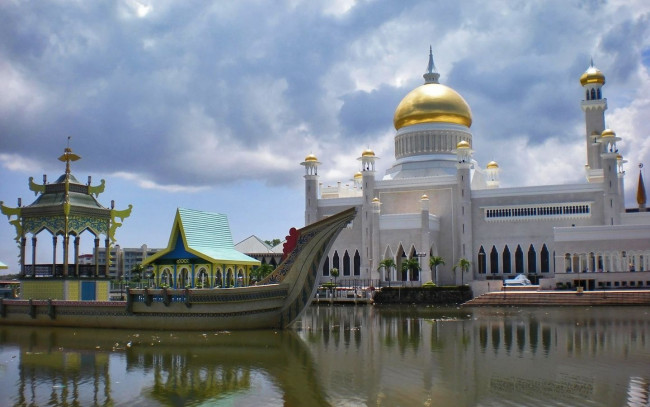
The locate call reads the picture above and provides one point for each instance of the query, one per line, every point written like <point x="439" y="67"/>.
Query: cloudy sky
<point x="213" y="105"/>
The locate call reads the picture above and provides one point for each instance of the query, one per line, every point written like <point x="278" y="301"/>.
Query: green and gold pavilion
<point x="65" y="208"/>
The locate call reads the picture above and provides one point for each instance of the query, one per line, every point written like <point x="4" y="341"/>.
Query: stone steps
<point x="587" y="298"/>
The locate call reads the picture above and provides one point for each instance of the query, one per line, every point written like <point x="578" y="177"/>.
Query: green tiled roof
<point x="209" y="234"/>
<point x="204" y="234"/>
<point x="3" y="266"/>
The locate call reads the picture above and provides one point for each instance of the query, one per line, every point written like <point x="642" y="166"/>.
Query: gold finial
<point x="68" y="156"/>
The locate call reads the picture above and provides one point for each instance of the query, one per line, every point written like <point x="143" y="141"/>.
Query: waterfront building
<point x="123" y="260"/>
<point x="437" y="200"/>
<point x="200" y="254"/>
<point x="254" y="247"/>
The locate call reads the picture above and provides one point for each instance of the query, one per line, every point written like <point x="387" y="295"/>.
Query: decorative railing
<point x="56" y="270"/>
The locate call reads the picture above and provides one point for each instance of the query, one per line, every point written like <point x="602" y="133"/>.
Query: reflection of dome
<point x="432" y="103"/>
<point x="462" y="144"/>
<point x="608" y="133"/>
<point x="311" y="158"/>
<point x="592" y="75"/>
<point x="492" y="165"/>
<point x="368" y="153"/>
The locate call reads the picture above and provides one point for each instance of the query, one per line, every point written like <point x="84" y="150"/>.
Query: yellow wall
<point x="103" y="288"/>
<point x="74" y="291"/>
<point x="57" y="290"/>
<point x="42" y="290"/>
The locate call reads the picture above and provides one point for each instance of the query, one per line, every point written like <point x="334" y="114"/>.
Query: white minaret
<point x="609" y="159"/>
<point x="594" y="106"/>
<point x="464" y="196"/>
<point x="367" y="159"/>
<point x="311" y="188"/>
<point x="425" y="242"/>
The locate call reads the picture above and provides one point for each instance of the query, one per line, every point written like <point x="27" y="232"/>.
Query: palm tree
<point x="335" y="273"/>
<point x="434" y="262"/>
<point x="261" y="271"/>
<point x="412" y="265"/>
<point x="463" y="265"/>
<point x="136" y="272"/>
<point x="387" y="264"/>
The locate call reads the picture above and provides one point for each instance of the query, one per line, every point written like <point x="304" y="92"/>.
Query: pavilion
<point x="200" y="254"/>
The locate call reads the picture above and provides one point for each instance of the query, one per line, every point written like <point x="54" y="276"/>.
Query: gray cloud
<point x="191" y="91"/>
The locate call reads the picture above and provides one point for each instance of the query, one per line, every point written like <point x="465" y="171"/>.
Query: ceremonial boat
<point x="274" y="303"/>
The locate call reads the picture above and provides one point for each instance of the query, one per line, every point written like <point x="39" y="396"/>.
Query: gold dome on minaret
<point x="592" y="75"/>
<point x="432" y="103"/>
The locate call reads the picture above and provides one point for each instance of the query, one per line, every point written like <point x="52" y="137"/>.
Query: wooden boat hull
<point x="276" y="303"/>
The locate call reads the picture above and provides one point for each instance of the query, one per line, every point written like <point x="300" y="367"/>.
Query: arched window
<point x="346" y="264"/>
<point x="357" y="264"/>
<point x="519" y="260"/>
<point x="587" y="97"/>
<point x="532" y="260"/>
<point x="326" y="266"/>
<point x="506" y="260"/>
<point x="335" y="261"/>
<point x="599" y="96"/>
<point x="494" y="261"/>
<point x="545" y="260"/>
<point x="481" y="261"/>
<point x="593" y="94"/>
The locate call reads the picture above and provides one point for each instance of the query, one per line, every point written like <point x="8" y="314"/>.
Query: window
<point x="326" y="266"/>
<point x="545" y="260"/>
<point x="494" y="261"/>
<point x="532" y="260"/>
<point x="519" y="260"/>
<point x="346" y="264"/>
<point x="481" y="261"/>
<point x="357" y="264"/>
<point x="506" y="260"/>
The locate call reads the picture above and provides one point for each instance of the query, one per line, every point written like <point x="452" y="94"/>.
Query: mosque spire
<point x="640" y="191"/>
<point x="431" y="76"/>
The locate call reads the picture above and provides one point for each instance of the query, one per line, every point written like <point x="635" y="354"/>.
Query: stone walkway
<point x="537" y="298"/>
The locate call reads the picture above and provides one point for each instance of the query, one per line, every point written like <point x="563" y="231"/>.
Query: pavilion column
<point x="23" y="243"/>
<point x="34" y="240"/>
<point x="108" y="257"/>
<point x="66" y="238"/>
<point x="54" y="241"/>
<point x="96" y="256"/>
<point x="76" y="255"/>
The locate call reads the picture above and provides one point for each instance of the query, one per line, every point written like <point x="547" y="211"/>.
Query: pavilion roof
<point x="202" y="234"/>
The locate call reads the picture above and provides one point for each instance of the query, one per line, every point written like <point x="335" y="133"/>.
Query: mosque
<point x="436" y="201"/>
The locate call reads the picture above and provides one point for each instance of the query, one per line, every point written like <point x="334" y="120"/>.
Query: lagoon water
<point x="345" y="356"/>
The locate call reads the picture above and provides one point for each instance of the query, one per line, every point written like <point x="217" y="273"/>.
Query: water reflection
<point x="63" y="367"/>
<point x="379" y="356"/>
<point x="486" y="356"/>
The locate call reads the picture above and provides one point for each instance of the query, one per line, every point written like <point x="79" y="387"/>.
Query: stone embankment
<point x="541" y="298"/>
<point x="423" y="295"/>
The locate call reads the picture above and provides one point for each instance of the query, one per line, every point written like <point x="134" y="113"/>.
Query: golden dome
<point x="368" y="153"/>
<point x="311" y="158"/>
<point x="608" y="133"/>
<point x="492" y="165"/>
<point x="358" y="175"/>
<point x="425" y="197"/>
<point x="375" y="200"/>
<point x="462" y="144"/>
<point x="432" y="103"/>
<point x="592" y="75"/>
